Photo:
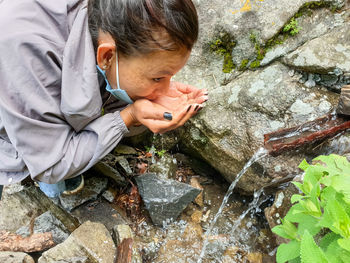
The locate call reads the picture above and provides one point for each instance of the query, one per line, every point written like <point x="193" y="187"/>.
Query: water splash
<point x="258" y="155"/>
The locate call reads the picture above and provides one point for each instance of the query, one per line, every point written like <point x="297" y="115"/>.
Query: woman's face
<point x="147" y="76"/>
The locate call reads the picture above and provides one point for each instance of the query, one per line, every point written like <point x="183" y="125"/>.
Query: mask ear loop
<point x="117" y="68"/>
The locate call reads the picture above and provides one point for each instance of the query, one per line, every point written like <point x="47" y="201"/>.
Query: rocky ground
<point x="108" y="221"/>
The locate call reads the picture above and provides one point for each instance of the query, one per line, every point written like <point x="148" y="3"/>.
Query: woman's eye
<point x="157" y="79"/>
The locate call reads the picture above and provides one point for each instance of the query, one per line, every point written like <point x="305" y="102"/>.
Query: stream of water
<point x="257" y="156"/>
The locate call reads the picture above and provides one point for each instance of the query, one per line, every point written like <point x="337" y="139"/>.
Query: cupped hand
<point x="179" y="95"/>
<point x="151" y="115"/>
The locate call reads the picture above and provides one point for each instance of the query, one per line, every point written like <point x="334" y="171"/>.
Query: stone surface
<point x="20" y="204"/>
<point x="164" y="199"/>
<point x="91" y="242"/>
<point x="15" y="257"/>
<point x="324" y="54"/>
<point x="253" y="104"/>
<point x="165" y="167"/>
<point x="106" y="168"/>
<point x="124" y="150"/>
<point x="92" y="188"/>
<point x="280" y="208"/>
<point x="47" y="222"/>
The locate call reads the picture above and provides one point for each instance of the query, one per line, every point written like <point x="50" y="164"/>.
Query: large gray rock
<point x="230" y="128"/>
<point x="21" y="204"/>
<point x="164" y="199"/>
<point x="47" y="222"/>
<point x="15" y="257"/>
<point x="324" y="54"/>
<point x="90" y="243"/>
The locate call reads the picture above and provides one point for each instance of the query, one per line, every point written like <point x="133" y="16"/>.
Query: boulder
<point x="15" y="257"/>
<point x="164" y="199"/>
<point x="21" y="204"/>
<point x="47" y="222"/>
<point x="91" y="242"/>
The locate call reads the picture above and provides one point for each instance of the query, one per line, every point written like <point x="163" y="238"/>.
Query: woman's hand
<point x="151" y="115"/>
<point x="179" y="95"/>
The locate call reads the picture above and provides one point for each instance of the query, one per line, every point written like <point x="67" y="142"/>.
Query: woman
<point x="77" y="75"/>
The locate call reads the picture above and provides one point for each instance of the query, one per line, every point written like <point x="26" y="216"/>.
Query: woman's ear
<point x="105" y="55"/>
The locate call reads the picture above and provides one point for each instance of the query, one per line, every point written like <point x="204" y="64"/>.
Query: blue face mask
<point x="118" y="93"/>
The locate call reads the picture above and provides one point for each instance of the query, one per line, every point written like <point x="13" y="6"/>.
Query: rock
<point x="177" y="251"/>
<point x="124" y="150"/>
<point x="91" y="242"/>
<point x="109" y="195"/>
<point x="280" y="208"/>
<point x="235" y="254"/>
<point x="199" y="199"/>
<point x="253" y="104"/>
<point x="92" y="188"/>
<point x="123" y="162"/>
<point x="47" y="222"/>
<point x="123" y="232"/>
<point x="20" y="203"/>
<point x="318" y="55"/>
<point x="106" y="168"/>
<point x="314" y="25"/>
<point x="100" y="211"/>
<point x="165" y="167"/>
<point x="15" y="257"/>
<point x="164" y="199"/>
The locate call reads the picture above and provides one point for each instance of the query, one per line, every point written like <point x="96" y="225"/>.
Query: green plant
<point x="318" y="224"/>
<point x="153" y="150"/>
<point x="292" y="27"/>
<point x="223" y="46"/>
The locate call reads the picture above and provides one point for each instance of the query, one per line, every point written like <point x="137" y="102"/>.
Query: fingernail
<point x="195" y="109"/>
<point x="206" y="93"/>
<point x="188" y="109"/>
<point x="168" y="116"/>
<point x="205" y="100"/>
<point x="199" y="109"/>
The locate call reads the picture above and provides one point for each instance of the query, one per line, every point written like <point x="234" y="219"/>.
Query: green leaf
<point x="341" y="183"/>
<point x="287" y="252"/>
<point x="328" y="239"/>
<point x="296" y="198"/>
<point x="286" y="230"/>
<point x="310" y="208"/>
<point x="333" y="252"/>
<point x="309" y="251"/>
<point x="341" y="220"/>
<point x="304" y="165"/>
<point x="299" y="185"/>
<point x="344" y="243"/>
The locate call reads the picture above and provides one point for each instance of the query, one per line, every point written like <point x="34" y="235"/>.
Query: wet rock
<point x="106" y="168"/>
<point x="100" y="211"/>
<point x="164" y="199"/>
<point x="253" y="104"/>
<point x="235" y="254"/>
<point x="280" y="208"/>
<point x="199" y="199"/>
<point x="165" y="167"/>
<point x="122" y="232"/>
<point x="91" y="242"/>
<point x="15" y="257"/>
<point x="177" y="251"/>
<point x="20" y="204"/>
<point x="124" y="150"/>
<point x="109" y="195"/>
<point x="92" y="188"/>
<point x="47" y="222"/>
<point x="193" y="232"/>
<point x="318" y="55"/>
<point x="123" y="162"/>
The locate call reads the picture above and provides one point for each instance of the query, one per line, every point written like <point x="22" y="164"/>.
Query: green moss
<point x="244" y="64"/>
<point x="255" y="64"/>
<point x="292" y="27"/>
<point x="223" y="46"/>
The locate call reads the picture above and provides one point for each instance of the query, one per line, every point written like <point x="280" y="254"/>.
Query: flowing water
<point x="258" y="155"/>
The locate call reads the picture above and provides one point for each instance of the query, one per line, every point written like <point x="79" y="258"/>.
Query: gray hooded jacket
<point x="51" y="126"/>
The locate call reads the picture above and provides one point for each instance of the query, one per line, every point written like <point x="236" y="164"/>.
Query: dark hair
<point x="143" y="26"/>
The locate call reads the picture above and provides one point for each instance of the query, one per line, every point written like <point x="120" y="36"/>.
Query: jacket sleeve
<point x="31" y="115"/>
